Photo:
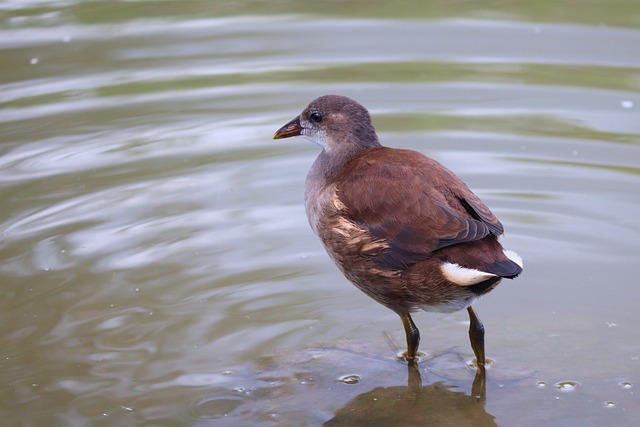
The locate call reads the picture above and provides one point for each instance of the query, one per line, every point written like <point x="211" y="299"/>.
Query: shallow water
<point x="156" y="263"/>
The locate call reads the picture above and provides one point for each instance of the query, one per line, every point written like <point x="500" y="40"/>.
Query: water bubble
<point x="136" y="289"/>
<point x="34" y="61"/>
<point x="349" y="379"/>
<point x="566" y="386"/>
<point x="541" y="384"/>
<point x="626" y="104"/>
<point x="626" y="385"/>
<point x="126" y="408"/>
<point x="609" y="404"/>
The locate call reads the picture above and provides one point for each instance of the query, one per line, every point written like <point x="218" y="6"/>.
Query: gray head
<point x="337" y="123"/>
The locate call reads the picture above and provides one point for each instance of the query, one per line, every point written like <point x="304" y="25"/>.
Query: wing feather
<point x="411" y="202"/>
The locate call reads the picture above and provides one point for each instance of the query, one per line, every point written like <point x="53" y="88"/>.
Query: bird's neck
<point x="329" y="162"/>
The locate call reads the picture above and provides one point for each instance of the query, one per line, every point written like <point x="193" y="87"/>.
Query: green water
<point x="156" y="265"/>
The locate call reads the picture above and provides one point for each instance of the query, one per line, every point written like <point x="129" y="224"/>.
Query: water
<point x="157" y="267"/>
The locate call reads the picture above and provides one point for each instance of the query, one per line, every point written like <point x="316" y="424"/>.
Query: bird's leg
<point x="413" y="337"/>
<point x="476" y="336"/>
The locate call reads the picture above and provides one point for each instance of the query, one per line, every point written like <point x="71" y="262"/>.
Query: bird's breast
<point x="349" y="244"/>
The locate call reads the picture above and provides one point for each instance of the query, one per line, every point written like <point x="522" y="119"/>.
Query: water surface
<point x="156" y="263"/>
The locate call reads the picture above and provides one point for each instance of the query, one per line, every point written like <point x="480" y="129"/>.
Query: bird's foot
<point x="404" y="357"/>
<point x="473" y="364"/>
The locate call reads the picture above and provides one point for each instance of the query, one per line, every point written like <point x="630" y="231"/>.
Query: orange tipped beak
<point x="292" y="128"/>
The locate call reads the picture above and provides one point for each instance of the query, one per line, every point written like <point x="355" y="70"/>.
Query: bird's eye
<point x="315" y="117"/>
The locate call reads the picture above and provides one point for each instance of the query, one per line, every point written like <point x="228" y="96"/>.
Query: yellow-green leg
<point x="413" y="337"/>
<point x="476" y="336"/>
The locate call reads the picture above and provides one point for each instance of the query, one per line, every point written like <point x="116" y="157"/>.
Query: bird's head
<point x="334" y="122"/>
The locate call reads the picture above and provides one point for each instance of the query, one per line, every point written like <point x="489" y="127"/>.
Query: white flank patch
<point x="463" y="276"/>
<point x="514" y="257"/>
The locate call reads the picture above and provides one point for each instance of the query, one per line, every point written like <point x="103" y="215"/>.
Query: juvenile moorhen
<point x="400" y="226"/>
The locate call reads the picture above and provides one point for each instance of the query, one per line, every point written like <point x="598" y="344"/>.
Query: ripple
<point x="215" y="405"/>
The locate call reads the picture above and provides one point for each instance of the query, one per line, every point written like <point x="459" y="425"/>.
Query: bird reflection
<point x="434" y="404"/>
<point x="478" y="390"/>
<point x="351" y="384"/>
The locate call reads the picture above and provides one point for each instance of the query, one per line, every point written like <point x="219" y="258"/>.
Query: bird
<point x="399" y="225"/>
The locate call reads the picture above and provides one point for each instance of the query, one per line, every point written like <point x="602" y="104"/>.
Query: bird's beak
<point x="292" y="128"/>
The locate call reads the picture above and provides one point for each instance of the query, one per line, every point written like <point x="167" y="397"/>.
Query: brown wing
<point x="413" y="203"/>
<point x="477" y="209"/>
